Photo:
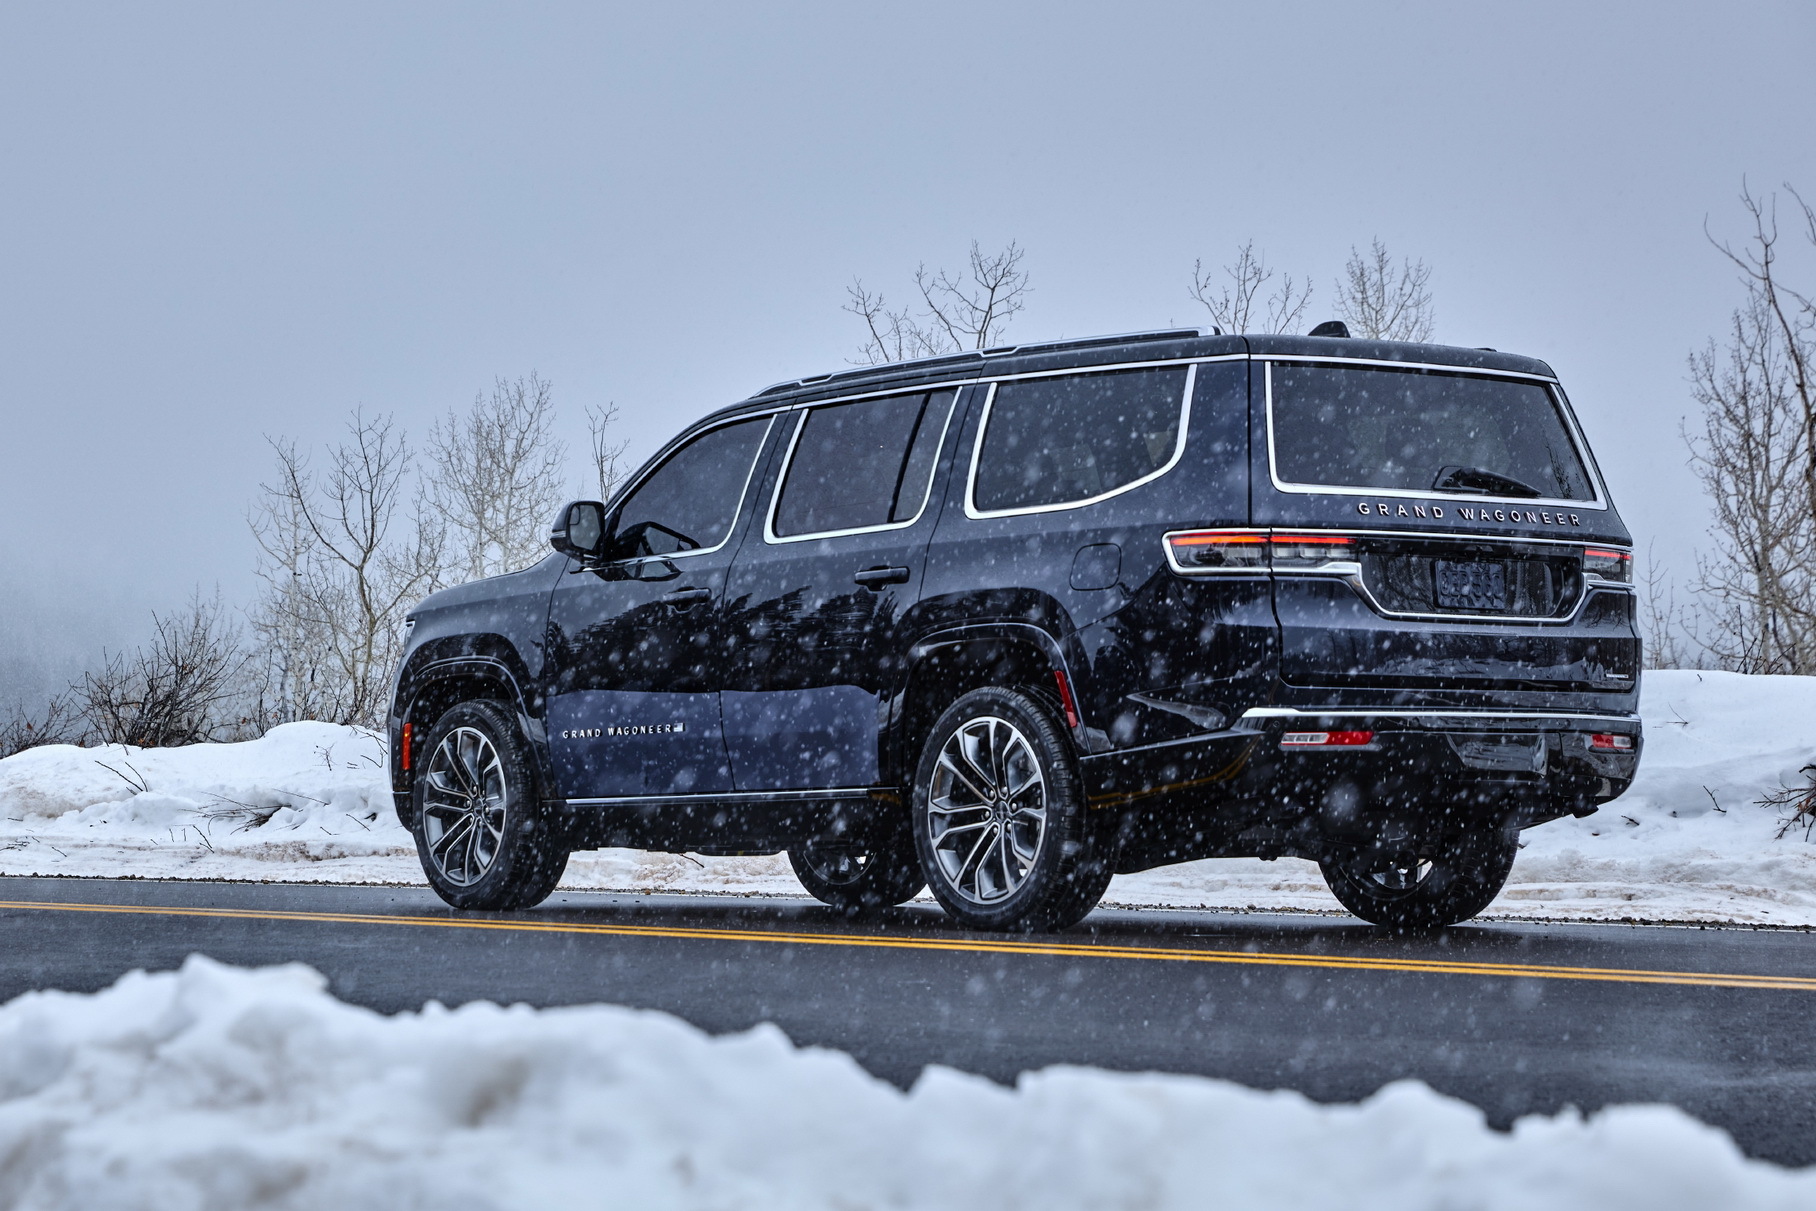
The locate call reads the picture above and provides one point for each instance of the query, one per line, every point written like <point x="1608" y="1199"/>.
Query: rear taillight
<point x="1615" y="567"/>
<point x="1218" y="550"/>
<point x="1326" y="739"/>
<point x="1255" y="550"/>
<point x="1612" y="742"/>
<point x="1301" y="551"/>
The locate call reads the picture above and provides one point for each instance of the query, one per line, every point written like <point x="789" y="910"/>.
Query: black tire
<point x="1013" y="877"/>
<point x="1413" y="892"/>
<point x="858" y="874"/>
<point x="480" y="830"/>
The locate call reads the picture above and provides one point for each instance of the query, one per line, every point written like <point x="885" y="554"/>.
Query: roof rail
<point x="928" y="363"/>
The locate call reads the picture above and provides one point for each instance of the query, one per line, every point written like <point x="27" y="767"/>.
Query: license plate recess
<point x="1476" y="584"/>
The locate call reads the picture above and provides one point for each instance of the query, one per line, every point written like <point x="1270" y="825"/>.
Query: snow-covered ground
<point x="308" y="802"/>
<point x="219" y="1087"/>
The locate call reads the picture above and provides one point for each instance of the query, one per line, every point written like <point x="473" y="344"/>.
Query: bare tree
<point x="1381" y="302"/>
<point x="1756" y="456"/>
<point x="1666" y="626"/>
<point x="343" y="559"/>
<point x="1237" y="305"/>
<point x="179" y="690"/>
<point x="607" y="469"/>
<point x="969" y="311"/>
<point x="494" y="476"/>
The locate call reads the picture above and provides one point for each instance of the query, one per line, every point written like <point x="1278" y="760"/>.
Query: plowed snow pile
<point x="309" y="802"/>
<point x="220" y="1087"/>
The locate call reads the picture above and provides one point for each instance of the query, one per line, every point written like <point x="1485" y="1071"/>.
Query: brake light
<point x="1600" y="563"/>
<point x="1218" y="550"/>
<point x="1611" y="742"/>
<point x="1326" y="739"/>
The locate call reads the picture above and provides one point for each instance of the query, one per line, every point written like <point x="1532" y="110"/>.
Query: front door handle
<point x="685" y="598"/>
<point x="876" y="578"/>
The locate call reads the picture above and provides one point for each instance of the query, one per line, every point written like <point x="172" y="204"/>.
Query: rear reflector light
<point x="1613" y="566"/>
<point x="1066" y="700"/>
<point x="1255" y="550"/>
<point x="1326" y="739"/>
<point x="1612" y="741"/>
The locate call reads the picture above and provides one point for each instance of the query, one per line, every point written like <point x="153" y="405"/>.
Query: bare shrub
<point x="1380" y="301"/>
<point x="178" y="690"/>
<point x="1756" y="457"/>
<point x="969" y="311"/>
<point x="494" y="476"/>
<point x="1798" y="801"/>
<point x="57" y="721"/>
<point x="1237" y="304"/>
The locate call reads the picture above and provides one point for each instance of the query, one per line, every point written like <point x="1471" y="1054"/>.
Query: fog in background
<point x="219" y="223"/>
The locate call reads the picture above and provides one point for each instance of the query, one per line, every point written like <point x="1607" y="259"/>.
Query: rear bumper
<point x="1547" y="757"/>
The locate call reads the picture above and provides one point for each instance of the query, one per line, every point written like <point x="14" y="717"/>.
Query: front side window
<point x="1071" y="439"/>
<point x="862" y="465"/>
<point x="1422" y="431"/>
<point x="691" y="500"/>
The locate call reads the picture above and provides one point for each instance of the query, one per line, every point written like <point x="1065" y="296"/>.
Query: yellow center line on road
<point x="972" y="945"/>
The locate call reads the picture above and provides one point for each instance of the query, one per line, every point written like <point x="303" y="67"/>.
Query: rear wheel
<point x="1000" y="818"/>
<point x="860" y="872"/>
<point x="1414" y="890"/>
<point x="479" y="827"/>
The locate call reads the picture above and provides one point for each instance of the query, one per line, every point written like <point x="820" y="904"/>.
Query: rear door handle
<point x="876" y="578"/>
<point x="686" y="597"/>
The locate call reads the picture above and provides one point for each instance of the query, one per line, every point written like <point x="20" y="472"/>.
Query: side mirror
<point x="579" y="529"/>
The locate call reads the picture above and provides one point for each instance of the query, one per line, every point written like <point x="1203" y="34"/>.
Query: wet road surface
<point x="1515" y="1018"/>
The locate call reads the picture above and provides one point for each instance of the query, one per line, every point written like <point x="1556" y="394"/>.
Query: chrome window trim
<point x="674" y="447"/>
<point x="771" y="538"/>
<point x="983" y="428"/>
<point x="1552" y="387"/>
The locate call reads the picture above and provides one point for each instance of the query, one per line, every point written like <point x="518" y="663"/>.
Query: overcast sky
<point x="222" y="223"/>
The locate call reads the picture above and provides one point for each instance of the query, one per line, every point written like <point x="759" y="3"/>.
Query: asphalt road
<point x="1513" y="1018"/>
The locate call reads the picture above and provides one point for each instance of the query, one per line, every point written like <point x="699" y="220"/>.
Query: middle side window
<point x="861" y="465"/>
<point x="1069" y="439"/>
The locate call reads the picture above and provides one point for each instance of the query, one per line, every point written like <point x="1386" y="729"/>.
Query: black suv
<point x="1008" y="623"/>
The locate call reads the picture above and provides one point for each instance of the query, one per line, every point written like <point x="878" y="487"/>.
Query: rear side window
<point x="1069" y="440"/>
<point x="691" y="500"/>
<point x="1420" y="431"/>
<point x="861" y="465"/>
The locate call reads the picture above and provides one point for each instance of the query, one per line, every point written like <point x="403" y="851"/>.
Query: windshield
<point x="1422" y="431"/>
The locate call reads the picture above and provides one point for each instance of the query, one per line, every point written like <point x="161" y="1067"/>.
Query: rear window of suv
<point x="1072" y="439"/>
<point x="1421" y="431"/>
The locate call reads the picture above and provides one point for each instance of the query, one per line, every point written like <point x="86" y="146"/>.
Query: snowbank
<point x="221" y="1087"/>
<point x="309" y="802"/>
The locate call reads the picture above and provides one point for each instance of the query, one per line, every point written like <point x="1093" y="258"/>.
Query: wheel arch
<point x="945" y="666"/>
<point x="437" y="687"/>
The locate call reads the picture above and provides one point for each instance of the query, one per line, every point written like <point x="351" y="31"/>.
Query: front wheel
<point x="1000" y="817"/>
<point x="479" y="826"/>
<point x="1423" y="890"/>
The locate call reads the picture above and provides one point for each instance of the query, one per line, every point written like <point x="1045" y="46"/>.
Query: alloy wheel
<point x="464" y="806"/>
<point x="987" y="809"/>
